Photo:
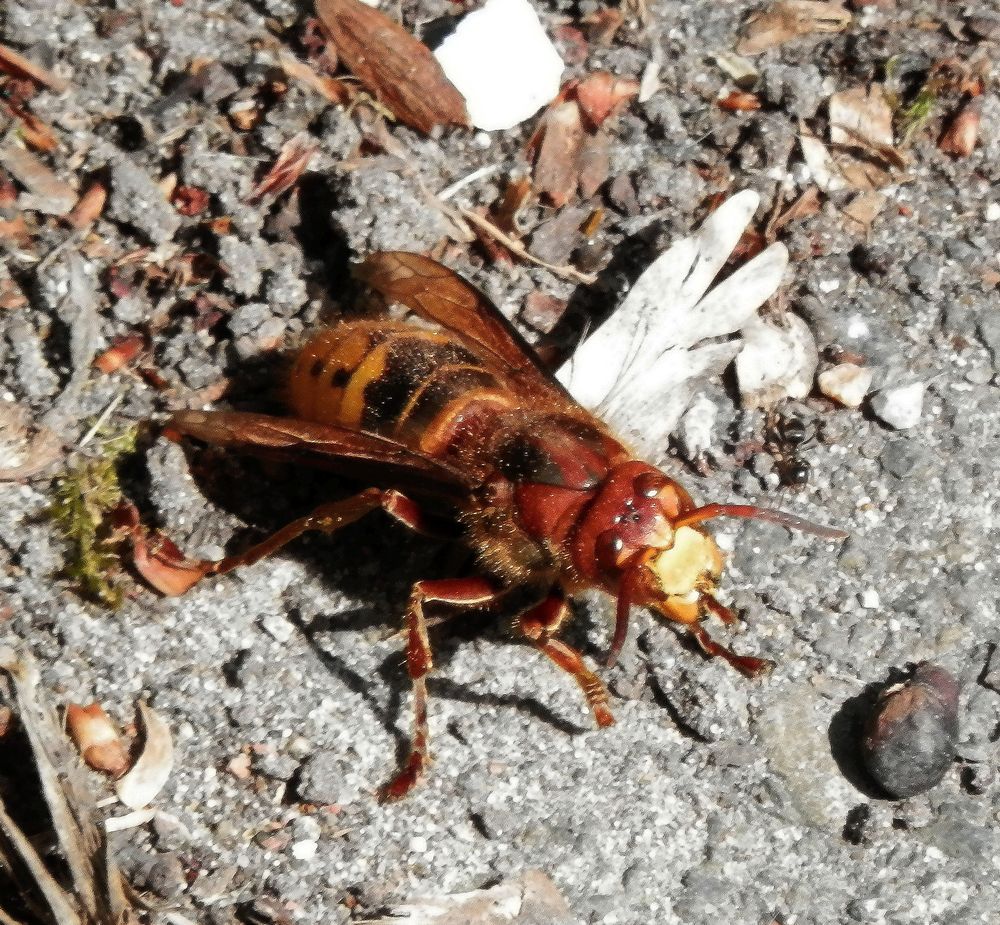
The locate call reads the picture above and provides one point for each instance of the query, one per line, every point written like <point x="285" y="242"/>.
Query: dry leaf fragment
<point x="394" y="66"/>
<point x="863" y="209"/>
<point x="593" y="163"/>
<point x="46" y="192"/>
<point x="788" y="19"/>
<point x="292" y="161"/>
<point x="962" y="133"/>
<point x="531" y="898"/>
<point x="331" y="89"/>
<point x="739" y="101"/>
<point x="26" y="449"/>
<point x="152" y="768"/>
<point x="156" y="557"/>
<point x="120" y="354"/>
<point x="841" y="170"/>
<point x="19" y="66"/>
<point x="604" y="24"/>
<point x="805" y="206"/>
<point x="11" y="294"/>
<point x="35" y="133"/>
<point x="602" y="95"/>
<point x="96" y="738"/>
<point x="190" y="200"/>
<point x="861" y="112"/>
<point x="88" y="207"/>
<point x="556" y="170"/>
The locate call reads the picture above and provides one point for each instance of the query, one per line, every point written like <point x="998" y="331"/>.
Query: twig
<point x="10" y="60"/>
<point x="476" y="175"/>
<point x="101" y="419"/>
<point x="519" y="250"/>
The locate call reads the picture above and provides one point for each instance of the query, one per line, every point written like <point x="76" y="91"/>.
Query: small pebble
<point x="305" y="850"/>
<point x="847" y="384"/>
<point x="418" y="844"/>
<point x="870" y="599"/>
<point x="900" y="407"/>
<point x="993" y="212"/>
<point x="909" y="742"/>
<point x="503" y="62"/>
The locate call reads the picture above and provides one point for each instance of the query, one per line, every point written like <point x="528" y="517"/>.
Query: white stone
<point x="418" y="844"/>
<point x="775" y="362"/>
<point x="305" y="850"/>
<point x="503" y="63"/>
<point x="870" y="599"/>
<point x="901" y="406"/>
<point x="857" y="327"/>
<point x="847" y="384"/>
<point x="993" y="212"/>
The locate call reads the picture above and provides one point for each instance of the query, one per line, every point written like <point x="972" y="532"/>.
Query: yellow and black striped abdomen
<point x="388" y="378"/>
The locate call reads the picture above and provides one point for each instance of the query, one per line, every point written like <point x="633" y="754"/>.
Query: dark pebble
<point x="909" y="742"/>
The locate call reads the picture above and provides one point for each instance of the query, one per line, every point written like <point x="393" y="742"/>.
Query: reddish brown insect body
<point x="464" y="420"/>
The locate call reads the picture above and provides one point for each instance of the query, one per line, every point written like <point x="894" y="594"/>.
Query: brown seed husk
<point x="394" y="66"/>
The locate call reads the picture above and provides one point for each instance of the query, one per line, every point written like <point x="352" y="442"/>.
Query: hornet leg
<point x="463" y="592"/>
<point x="538" y="626"/>
<point x="163" y="565"/>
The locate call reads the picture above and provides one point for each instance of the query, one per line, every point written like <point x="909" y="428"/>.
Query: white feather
<point x="639" y="370"/>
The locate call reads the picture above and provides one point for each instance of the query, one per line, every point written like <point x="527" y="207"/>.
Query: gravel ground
<point x="713" y="797"/>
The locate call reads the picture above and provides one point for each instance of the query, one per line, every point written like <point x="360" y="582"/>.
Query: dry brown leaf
<point x="26" y="449"/>
<point x="788" y="19"/>
<point x="11" y="295"/>
<point x="840" y="170"/>
<point x="48" y="193"/>
<point x="394" y="66"/>
<point x="19" y="66"/>
<point x="35" y="133"/>
<point x="805" y="206"/>
<point x="516" y="197"/>
<point x="863" y="209"/>
<point x="604" y="24"/>
<point x="556" y="169"/>
<point x="331" y="89"/>
<point x="962" y="132"/>
<point x="292" y="160"/>
<point x="120" y="354"/>
<point x="96" y="738"/>
<point x="602" y="95"/>
<point x="152" y="768"/>
<point x="593" y="163"/>
<point x="861" y="111"/>
<point x="739" y="101"/>
<point x="88" y="207"/>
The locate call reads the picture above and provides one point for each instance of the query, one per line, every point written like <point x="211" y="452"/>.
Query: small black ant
<point x="784" y="437"/>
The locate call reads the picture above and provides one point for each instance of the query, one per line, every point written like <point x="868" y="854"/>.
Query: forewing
<point x="322" y="445"/>
<point x="440" y="295"/>
<point x="606" y="357"/>
<point x="640" y="369"/>
<point x="656" y="315"/>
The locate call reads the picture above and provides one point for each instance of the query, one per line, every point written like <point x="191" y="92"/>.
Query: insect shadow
<point x="222" y="478"/>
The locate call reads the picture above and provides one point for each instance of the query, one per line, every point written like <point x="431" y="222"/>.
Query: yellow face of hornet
<point x="685" y="571"/>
